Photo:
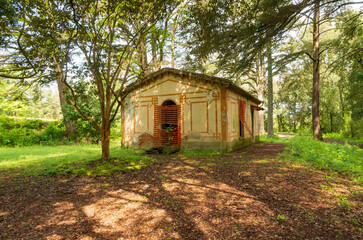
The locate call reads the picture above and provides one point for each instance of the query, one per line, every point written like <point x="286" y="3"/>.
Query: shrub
<point x="27" y="132"/>
<point x="85" y="130"/>
<point x="54" y="131"/>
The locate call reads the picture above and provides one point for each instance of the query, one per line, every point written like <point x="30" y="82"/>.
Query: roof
<point x="191" y="75"/>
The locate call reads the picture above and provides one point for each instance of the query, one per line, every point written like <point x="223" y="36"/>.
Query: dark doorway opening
<point x="252" y="122"/>
<point x="168" y="102"/>
<point x="241" y="129"/>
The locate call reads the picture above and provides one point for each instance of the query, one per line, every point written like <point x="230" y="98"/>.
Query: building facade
<point x="191" y="110"/>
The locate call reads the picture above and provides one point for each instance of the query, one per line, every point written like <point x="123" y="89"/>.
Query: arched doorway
<point x="167" y="124"/>
<point x="167" y="114"/>
<point x="168" y="103"/>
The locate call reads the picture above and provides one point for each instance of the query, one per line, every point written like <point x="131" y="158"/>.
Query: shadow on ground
<point x="247" y="194"/>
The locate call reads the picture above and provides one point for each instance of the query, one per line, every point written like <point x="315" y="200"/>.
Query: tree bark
<point x="316" y="74"/>
<point x="143" y="55"/>
<point x="260" y="75"/>
<point x="62" y="100"/>
<point x="105" y="138"/>
<point x="61" y="90"/>
<point x="173" y="44"/>
<point x="154" y="51"/>
<point x="294" y="117"/>
<point x="270" y="126"/>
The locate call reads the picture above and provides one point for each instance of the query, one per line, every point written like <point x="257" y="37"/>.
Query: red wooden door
<point x="167" y="125"/>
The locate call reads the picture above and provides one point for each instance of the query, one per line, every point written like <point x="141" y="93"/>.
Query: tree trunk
<point x="105" y="138"/>
<point x="316" y="74"/>
<point x="260" y="75"/>
<point x="62" y="100"/>
<point x="143" y="55"/>
<point x="154" y="51"/>
<point x="270" y="125"/>
<point x="294" y="117"/>
<point x="162" y="44"/>
<point x="173" y="44"/>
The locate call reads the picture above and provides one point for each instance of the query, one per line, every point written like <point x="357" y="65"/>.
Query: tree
<point x="240" y="30"/>
<point x="108" y="40"/>
<point x="316" y="73"/>
<point x="38" y="48"/>
<point x="270" y="130"/>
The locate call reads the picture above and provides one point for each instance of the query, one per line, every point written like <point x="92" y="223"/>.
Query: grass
<point x="341" y="137"/>
<point x="273" y="139"/>
<point x="345" y="159"/>
<point x="338" y="158"/>
<point x="62" y="160"/>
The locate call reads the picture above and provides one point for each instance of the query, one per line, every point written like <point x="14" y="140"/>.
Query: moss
<point x="240" y="143"/>
<point x="216" y="146"/>
<point x="208" y="146"/>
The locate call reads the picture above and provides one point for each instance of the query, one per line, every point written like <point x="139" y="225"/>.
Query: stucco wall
<point x="233" y="121"/>
<point x="200" y="114"/>
<point x="204" y="124"/>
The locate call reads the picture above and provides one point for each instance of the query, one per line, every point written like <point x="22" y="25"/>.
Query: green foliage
<point x="26" y="132"/>
<point x="344" y="203"/>
<point x="64" y="160"/>
<point x="345" y="159"/>
<point x="85" y="130"/>
<point x="281" y="217"/>
<point x="343" y="137"/>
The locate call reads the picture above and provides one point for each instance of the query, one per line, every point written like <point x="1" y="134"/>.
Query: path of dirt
<point x="285" y="135"/>
<point x="247" y="194"/>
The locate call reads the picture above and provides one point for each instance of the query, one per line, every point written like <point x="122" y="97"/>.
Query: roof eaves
<point x="222" y="81"/>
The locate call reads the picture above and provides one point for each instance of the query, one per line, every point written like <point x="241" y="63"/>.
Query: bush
<point x="345" y="159"/>
<point x="54" y="131"/>
<point x="85" y="130"/>
<point x="27" y="132"/>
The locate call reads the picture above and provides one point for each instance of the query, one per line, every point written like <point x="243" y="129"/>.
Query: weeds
<point x="345" y="159"/>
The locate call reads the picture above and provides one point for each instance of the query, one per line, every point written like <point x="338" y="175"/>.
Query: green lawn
<point x="78" y="159"/>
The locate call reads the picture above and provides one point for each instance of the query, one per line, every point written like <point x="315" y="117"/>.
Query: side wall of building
<point x="209" y="114"/>
<point x="234" y="139"/>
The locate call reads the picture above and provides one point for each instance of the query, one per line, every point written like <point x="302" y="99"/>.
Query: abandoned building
<point x="190" y="110"/>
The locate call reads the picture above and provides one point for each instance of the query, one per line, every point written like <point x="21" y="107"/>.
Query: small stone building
<point x="191" y="110"/>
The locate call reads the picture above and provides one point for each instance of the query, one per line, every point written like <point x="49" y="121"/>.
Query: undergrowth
<point x="345" y="159"/>
<point x="341" y="137"/>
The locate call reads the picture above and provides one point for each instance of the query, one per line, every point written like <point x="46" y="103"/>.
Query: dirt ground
<point x="248" y="194"/>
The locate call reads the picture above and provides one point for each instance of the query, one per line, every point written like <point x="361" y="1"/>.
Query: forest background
<point x="66" y="63"/>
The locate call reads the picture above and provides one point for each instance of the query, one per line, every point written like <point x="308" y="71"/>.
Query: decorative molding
<point x="191" y="116"/>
